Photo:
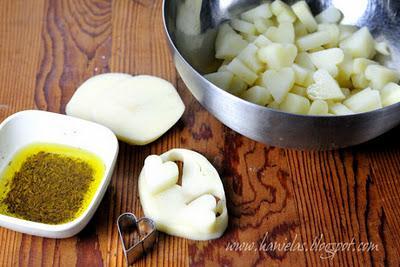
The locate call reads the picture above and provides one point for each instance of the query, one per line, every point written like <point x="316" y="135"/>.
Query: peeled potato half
<point x="138" y="109"/>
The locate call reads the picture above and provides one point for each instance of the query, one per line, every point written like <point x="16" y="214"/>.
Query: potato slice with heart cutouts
<point x="197" y="208"/>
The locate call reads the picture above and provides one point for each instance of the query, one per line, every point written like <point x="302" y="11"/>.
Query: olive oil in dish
<point x="49" y="183"/>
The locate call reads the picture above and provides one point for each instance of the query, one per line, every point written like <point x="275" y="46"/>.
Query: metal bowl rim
<point x="259" y="107"/>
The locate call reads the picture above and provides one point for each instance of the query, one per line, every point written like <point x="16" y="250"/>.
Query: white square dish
<point x="33" y="126"/>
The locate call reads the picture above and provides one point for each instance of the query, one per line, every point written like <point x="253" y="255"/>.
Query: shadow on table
<point x="385" y="142"/>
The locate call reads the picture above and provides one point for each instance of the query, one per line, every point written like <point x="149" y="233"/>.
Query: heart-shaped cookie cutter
<point x="146" y="235"/>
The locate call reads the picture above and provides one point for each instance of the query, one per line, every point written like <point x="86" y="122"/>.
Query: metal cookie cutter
<point x="137" y="235"/>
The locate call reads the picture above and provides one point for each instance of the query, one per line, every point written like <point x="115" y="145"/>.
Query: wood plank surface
<point x="49" y="47"/>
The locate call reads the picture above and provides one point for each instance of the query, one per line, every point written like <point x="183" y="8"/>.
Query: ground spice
<point x="49" y="188"/>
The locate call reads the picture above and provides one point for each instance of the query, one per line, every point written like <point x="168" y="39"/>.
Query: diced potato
<point x="319" y="107"/>
<point x="243" y="26"/>
<point x="325" y="87"/>
<point x="237" y="86"/>
<point x="301" y="74"/>
<point x="359" y="81"/>
<point x="340" y="109"/>
<point x="310" y="79"/>
<point x="295" y="104"/>
<point x="346" y="67"/>
<point x="238" y="68"/>
<point x="299" y="90"/>
<point x="284" y="33"/>
<point x="390" y="94"/>
<point x="249" y="57"/>
<point x="329" y="15"/>
<point x="360" y="64"/>
<point x="223" y="30"/>
<point x="278" y="55"/>
<point x="326" y="58"/>
<point x="346" y="91"/>
<point x="299" y="29"/>
<point x="346" y="31"/>
<point x="364" y="101"/>
<point x="382" y="48"/>
<point x="222" y="68"/>
<point x="262" y="41"/>
<point x="359" y="44"/>
<point x="314" y="40"/>
<point x="356" y="91"/>
<point x="221" y="79"/>
<point x="303" y="59"/>
<point x="286" y="56"/>
<point x="334" y="31"/>
<point x="343" y="81"/>
<point x="303" y="12"/>
<point x="278" y="82"/>
<point x="262" y="11"/>
<point x="273" y="105"/>
<point x="262" y="25"/>
<point x="228" y="43"/>
<point x="282" y="11"/>
<point x="257" y="95"/>
<point x="379" y="76"/>
<point x="249" y="37"/>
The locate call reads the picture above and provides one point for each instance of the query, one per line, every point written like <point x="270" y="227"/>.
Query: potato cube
<point x="301" y="74"/>
<point x="299" y="29"/>
<point x="340" y="109"/>
<point x="390" y="94"/>
<point x="329" y="15"/>
<point x="249" y="37"/>
<point x="299" y="90"/>
<point x="238" y="68"/>
<point x="262" y="11"/>
<point x="325" y="87"/>
<point x="345" y="67"/>
<point x="278" y="55"/>
<point x="282" y="11"/>
<point x="262" y="25"/>
<point x="295" y="104"/>
<point x="302" y="11"/>
<point x="326" y="58"/>
<point x="278" y="82"/>
<point x="318" y="107"/>
<point x="262" y="41"/>
<point x="360" y="64"/>
<point x="284" y="33"/>
<point x="365" y="100"/>
<point x="222" y="68"/>
<point x="382" y="48"/>
<point x="346" y="31"/>
<point x="228" y="44"/>
<point x="314" y="40"/>
<point x="249" y="57"/>
<point x="359" y="81"/>
<point x="334" y="31"/>
<point x="379" y="76"/>
<point x="359" y="44"/>
<point x="303" y="59"/>
<point x="243" y="26"/>
<point x="237" y="86"/>
<point x="257" y="95"/>
<point x="221" y="79"/>
<point x="345" y="91"/>
<point x="273" y="105"/>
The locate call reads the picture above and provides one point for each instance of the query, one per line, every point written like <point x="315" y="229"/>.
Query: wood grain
<point x="49" y="47"/>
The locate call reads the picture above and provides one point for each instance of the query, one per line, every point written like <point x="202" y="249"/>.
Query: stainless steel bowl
<point x="191" y="29"/>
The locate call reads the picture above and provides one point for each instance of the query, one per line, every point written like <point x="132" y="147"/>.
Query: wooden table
<point x="48" y="48"/>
